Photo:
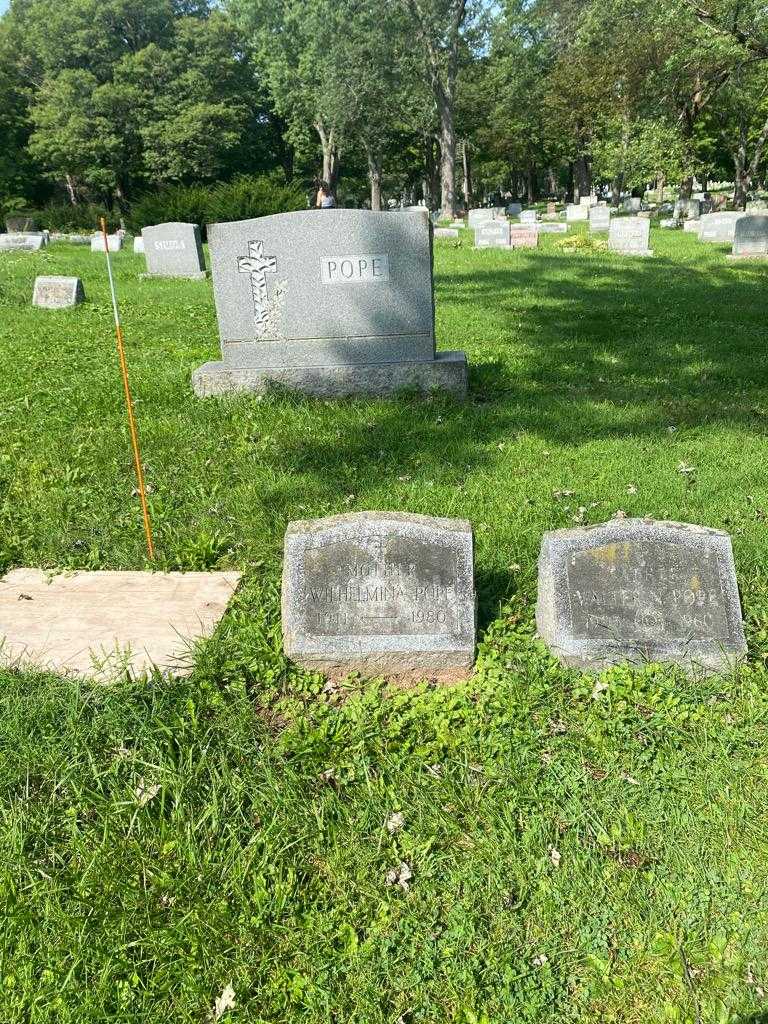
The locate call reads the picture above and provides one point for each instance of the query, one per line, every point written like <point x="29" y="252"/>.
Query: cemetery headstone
<point x="446" y="232"/>
<point x="587" y="201"/>
<point x="115" y="243"/>
<point x="529" y="217"/>
<point x="173" y="250"/>
<point x="514" y="209"/>
<point x="483" y="214"/>
<point x="750" y="237"/>
<point x="669" y="222"/>
<point x="57" y="292"/>
<point x="575" y="211"/>
<point x="552" y="229"/>
<point x="71" y="239"/>
<point x="331" y="303"/>
<point x="599" y="218"/>
<point x="632" y="205"/>
<point x="692" y="226"/>
<point x="20" y="223"/>
<point x="492" y="234"/>
<point x="630" y="236"/>
<point x="28" y="242"/>
<point x="552" y="209"/>
<point x="525" y="238"/>
<point x="640" y="590"/>
<point x="719" y="227"/>
<point x="138" y="244"/>
<point x="380" y="593"/>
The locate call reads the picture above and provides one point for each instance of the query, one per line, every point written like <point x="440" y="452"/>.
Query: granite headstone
<point x="575" y="211"/>
<point x="115" y="243"/>
<point x="526" y="237"/>
<point x="640" y="590"/>
<point x="719" y="227"/>
<point x="57" y="292"/>
<point x="529" y="217"/>
<point x="381" y="593"/>
<point x="630" y="236"/>
<point x="492" y="234"/>
<point x="26" y="242"/>
<point x="599" y="218"/>
<point x="173" y="250"/>
<point x="331" y="303"/>
<point x="751" y="236"/>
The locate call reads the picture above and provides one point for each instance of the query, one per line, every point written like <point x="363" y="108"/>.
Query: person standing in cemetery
<point x="325" y="200"/>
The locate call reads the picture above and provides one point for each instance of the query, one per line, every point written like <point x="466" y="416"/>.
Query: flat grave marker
<point x="57" y="292"/>
<point x="446" y="232"/>
<point x="22" y="242"/>
<point x="640" y="590"/>
<point x="381" y="593"/>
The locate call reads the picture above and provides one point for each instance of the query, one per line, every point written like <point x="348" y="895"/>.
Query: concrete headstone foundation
<point x="57" y="292"/>
<point x="640" y="590"/>
<point x="331" y="303"/>
<point x="102" y="624"/>
<point x="380" y="593"/>
<point x="173" y="250"/>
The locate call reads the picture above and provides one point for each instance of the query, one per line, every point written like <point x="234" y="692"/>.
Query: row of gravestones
<point x="392" y="594"/>
<point x="330" y="303"/>
<point x="626" y="235"/>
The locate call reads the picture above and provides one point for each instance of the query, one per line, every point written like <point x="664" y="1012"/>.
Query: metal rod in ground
<point x="128" y="399"/>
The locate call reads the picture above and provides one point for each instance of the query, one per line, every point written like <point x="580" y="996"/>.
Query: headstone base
<point x="644" y="253"/>
<point x="447" y="372"/>
<point x="746" y="256"/>
<point x="199" y="276"/>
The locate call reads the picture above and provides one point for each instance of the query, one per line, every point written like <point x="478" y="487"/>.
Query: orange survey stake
<point x="128" y="399"/>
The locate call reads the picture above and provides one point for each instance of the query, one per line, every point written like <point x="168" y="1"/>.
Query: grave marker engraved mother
<point x="640" y="590"/>
<point x="381" y="593"/>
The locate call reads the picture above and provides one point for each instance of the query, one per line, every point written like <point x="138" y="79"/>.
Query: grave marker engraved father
<point x="381" y="593"/>
<point x="639" y="590"/>
<point x="173" y="250"/>
<point x="332" y="303"/>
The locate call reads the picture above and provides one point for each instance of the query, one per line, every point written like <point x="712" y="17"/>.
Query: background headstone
<point x="639" y="590"/>
<point x="552" y="229"/>
<point x="529" y="217"/>
<point x="483" y="214"/>
<point x="599" y="218"/>
<point x="330" y="303"/>
<point x="492" y="234"/>
<point x="20" y="223"/>
<point x="115" y="243"/>
<point x="381" y="593"/>
<point x="692" y="226"/>
<point x="173" y="250"/>
<point x="446" y="232"/>
<point x="719" y="227"/>
<point x="514" y="209"/>
<point x="526" y="237"/>
<point x="57" y="292"/>
<point x="575" y="211"/>
<point x="751" y="236"/>
<point x="28" y="242"/>
<point x="138" y="244"/>
<point x="630" y="235"/>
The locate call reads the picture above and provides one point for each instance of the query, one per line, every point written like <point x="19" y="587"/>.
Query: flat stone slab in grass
<point x="102" y="624"/>
<point x="552" y="229"/>
<point x="57" y="292"/>
<point x="446" y="232"/>
<point x="380" y="593"/>
<point x="629" y="236"/>
<point x="693" y="226"/>
<point x="173" y="250"/>
<point x="640" y="590"/>
<point x="750" y="238"/>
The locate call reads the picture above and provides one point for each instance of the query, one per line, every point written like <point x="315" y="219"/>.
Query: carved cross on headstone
<point x="258" y="266"/>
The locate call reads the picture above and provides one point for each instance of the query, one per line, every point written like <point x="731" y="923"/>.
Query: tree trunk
<point x="70" y="183"/>
<point x="467" y="175"/>
<point x="447" y="157"/>
<point x="530" y="184"/>
<point x="374" y="175"/>
<point x="582" y="177"/>
<point x="330" y="155"/>
<point x="660" y="182"/>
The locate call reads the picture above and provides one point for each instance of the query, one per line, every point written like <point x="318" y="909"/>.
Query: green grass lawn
<point x="582" y="849"/>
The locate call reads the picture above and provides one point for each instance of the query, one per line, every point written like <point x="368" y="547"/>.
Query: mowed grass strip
<point x="580" y="848"/>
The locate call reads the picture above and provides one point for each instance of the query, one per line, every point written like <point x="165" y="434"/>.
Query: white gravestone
<point x="57" y="292"/>
<point x="493" y="234"/>
<point x="575" y="212"/>
<point x="27" y="242"/>
<point x="630" y="236"/>
<point x="599" y="219"/>
<point x="115" y="243"/>
<point x="751" y="237"/>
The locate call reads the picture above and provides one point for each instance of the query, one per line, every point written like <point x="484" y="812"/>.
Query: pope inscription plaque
<point x="382" y="593"/>
<point x="640" y="590"/>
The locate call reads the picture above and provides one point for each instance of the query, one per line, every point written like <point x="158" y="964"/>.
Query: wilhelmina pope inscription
<point x="640" y="590"/>
<point x="382" y="593"/>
